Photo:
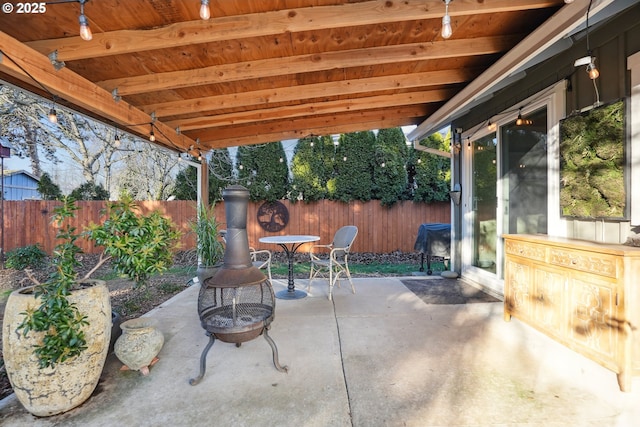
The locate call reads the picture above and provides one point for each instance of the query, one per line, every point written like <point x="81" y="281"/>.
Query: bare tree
<point x="149" y="174"/>
<point x="23" y="121"/>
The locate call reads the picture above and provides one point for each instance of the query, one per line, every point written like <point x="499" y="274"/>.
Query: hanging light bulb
<point x="152" y="136"/>
<point x="519" y="120"/>
<point x="447" y="31"/>
<point x="116" y="140"/>
<point x="588" y="60"/>
<point x="85" y="31"/>
<point x="592" y="70"/>
<point x="53" y="116"/>
<point x="205" y="12"/>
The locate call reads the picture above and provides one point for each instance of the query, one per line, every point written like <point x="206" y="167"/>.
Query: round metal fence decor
<point x="273" y="216"/>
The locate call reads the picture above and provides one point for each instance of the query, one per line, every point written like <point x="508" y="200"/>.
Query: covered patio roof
<point x="262" y="71"/>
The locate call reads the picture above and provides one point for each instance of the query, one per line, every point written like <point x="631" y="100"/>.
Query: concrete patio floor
<point x="381" y="357"/>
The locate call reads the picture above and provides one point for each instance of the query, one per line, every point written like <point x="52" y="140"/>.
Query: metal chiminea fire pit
<point x="237" y="304"/>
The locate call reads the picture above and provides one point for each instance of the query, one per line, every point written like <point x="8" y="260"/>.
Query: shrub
<point x="138" y="245"/>
<point x="30" y="256"/>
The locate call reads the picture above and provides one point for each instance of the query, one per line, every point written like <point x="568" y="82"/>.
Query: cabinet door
<point x="519" y="288"/>
<point x="593" y="318"/>
<point x="549" y="295"/>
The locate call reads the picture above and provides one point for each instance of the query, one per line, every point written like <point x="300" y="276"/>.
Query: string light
<point x="85" y="31"/>
<point x="520" y="121"/>
<point x="205" y="11"/>
<point x="53" y="116"/>
<point x="447" y="31"/>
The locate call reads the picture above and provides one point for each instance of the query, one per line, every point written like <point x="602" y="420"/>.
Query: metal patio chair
<point x="336" y="263"/>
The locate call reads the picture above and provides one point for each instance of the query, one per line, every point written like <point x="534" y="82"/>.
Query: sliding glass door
<point x="484" y="202"/>
<point x="523" y="174"/>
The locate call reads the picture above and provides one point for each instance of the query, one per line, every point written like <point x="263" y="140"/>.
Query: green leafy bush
<point x="138" y="245"/>
<point x="30" y="256"/>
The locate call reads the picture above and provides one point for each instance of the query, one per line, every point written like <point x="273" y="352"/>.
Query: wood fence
<point x="380" y="229"/>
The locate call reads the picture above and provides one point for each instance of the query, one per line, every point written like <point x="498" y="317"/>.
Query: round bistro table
<point x="290" y="244"/>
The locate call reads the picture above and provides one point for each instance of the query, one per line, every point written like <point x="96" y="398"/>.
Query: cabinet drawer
<point x="526" y="250"/>
<point x="589" y="262"/>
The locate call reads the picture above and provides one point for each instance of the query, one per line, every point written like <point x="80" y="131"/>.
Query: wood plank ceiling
<point x="258" y="70"/>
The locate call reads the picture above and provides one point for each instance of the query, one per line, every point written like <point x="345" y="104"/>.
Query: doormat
<point x="447" y="291"/>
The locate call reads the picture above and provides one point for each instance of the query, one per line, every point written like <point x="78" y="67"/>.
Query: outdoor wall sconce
<point x="456" y="194"/>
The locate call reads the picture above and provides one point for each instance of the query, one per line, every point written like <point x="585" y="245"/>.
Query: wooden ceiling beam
<point x="261" y="98"/>
<point x="311" y="109"/>
<point x="256" y="130"/>
<point x="17" y="60"/>
<point x="316" y="62"/>
<point x="272" y="23"/>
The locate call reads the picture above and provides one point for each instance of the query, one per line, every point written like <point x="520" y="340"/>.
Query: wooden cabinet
<point x="584" y="294"/>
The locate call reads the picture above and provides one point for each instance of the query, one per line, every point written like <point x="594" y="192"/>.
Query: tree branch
<point x="31" y="277"/>
<point x="101" y="261"/>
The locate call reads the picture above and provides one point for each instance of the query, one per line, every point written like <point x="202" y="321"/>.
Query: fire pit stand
<point x="237" y="304"/>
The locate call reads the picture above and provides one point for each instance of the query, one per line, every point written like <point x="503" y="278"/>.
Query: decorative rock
<point x="449" y="274"/>
<point x="139" y="344"/>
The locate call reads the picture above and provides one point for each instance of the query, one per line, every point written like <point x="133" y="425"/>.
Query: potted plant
<point x="209" y="248"/>
<point x="56" y="334"/>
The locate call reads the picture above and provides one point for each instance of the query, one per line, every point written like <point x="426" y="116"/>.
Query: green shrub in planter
<point x="56" y="316"/>
<point x="137" y="246"/>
